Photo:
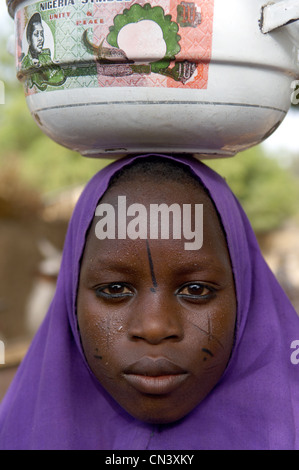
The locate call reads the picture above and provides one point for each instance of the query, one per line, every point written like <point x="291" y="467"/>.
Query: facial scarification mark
<point x="97" y="356"/>
<point x="207" y="351"/>
<point x="150" y="260"/>
<point x="209" y="333"/>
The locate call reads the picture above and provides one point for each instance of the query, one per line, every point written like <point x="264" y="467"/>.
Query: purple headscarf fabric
<point x="55" y="402"/>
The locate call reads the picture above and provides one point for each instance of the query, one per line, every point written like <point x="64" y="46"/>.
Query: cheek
<point x="100" y="333"/>
<point x="213" y="333"/>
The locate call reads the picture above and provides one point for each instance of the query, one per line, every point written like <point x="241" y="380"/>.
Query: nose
<point x="155" y="319"/>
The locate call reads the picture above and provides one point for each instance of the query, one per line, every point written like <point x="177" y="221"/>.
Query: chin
<point x="158" y="415"/>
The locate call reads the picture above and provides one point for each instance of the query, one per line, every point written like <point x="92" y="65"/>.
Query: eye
<point x="196" y="291"/>
<point x="117" y="290"/>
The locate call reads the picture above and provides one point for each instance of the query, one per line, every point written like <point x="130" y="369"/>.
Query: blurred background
<point x="40" y="182"/>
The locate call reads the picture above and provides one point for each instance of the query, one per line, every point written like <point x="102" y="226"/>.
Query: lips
<point x="155" y="376"/>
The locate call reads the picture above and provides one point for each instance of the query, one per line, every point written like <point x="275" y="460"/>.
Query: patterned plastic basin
<point x="111" y="77"/>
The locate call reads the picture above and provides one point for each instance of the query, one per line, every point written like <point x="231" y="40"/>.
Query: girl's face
<point x="157" y="320"/>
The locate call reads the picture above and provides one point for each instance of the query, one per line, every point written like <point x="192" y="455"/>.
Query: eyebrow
<point x="105" y="264"/>
<point x="202" y="266"/>
<point x="111" y="268"/>
<point x="94" y="265"/>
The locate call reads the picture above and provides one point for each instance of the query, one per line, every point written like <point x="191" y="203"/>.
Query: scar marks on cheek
<point x="211" y="337"/>
<point x="97" y="356"/>
<point x="151" y="265"/>
<point x="207" y="351"/>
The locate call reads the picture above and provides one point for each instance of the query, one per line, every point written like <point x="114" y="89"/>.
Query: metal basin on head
<point x="111" y="77"/>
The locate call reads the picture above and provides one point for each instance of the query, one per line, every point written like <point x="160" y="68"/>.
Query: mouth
<point x="155" y="376"/>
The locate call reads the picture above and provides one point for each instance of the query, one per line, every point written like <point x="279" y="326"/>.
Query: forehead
<point x="147" y="193"/>
<point x="37" y="26"/>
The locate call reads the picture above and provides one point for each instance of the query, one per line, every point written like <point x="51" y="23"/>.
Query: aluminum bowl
<point x="111" y="77"/>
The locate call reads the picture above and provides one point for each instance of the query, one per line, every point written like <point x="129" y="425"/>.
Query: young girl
<point x="163" y="337"/>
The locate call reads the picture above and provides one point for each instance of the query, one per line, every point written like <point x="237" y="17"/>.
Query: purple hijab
<point x="55" y="402"/>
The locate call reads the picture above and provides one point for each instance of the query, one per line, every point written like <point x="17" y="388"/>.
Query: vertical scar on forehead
<point x="150" y="260"/>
